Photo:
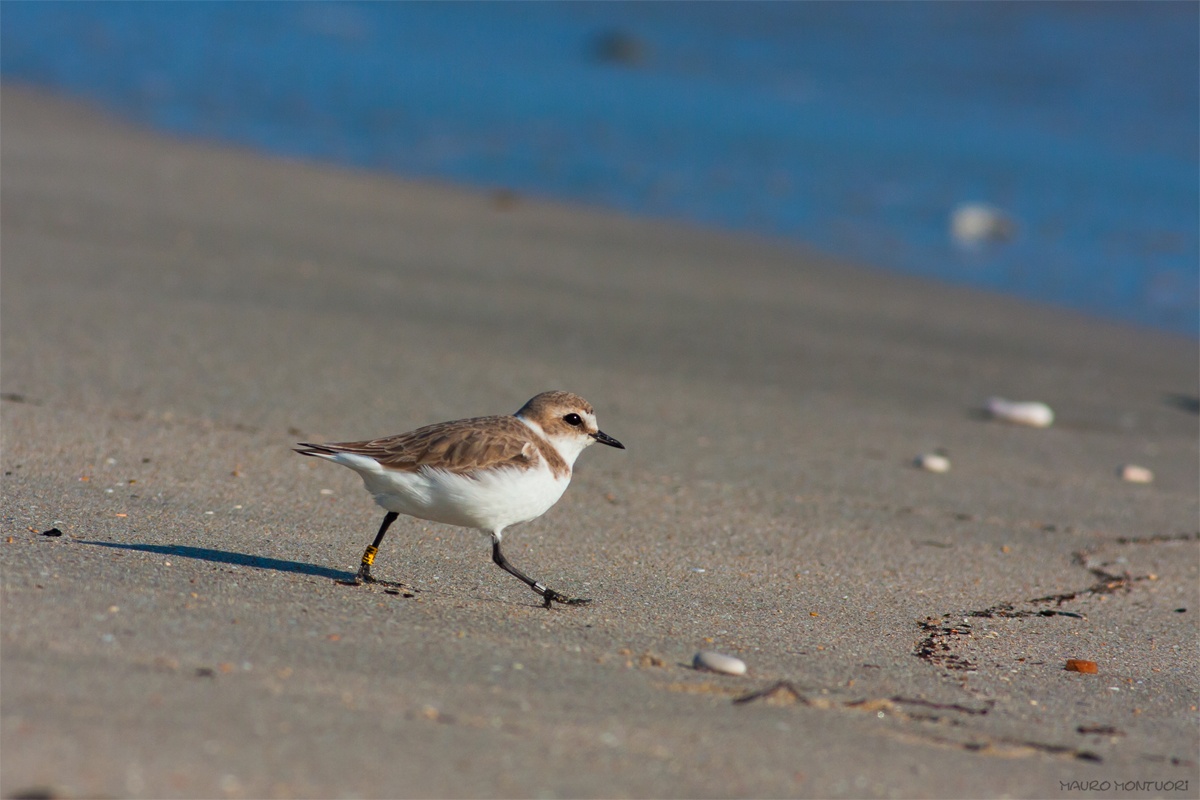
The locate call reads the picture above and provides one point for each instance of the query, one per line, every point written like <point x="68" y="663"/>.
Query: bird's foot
<point x="364" y="577"/>
<point x="550" y="596"/>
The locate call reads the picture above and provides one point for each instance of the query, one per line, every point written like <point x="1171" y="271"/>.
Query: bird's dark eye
<point x="573" y="419"/>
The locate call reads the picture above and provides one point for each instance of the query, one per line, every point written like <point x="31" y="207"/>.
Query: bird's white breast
<point x="489" y="499"/>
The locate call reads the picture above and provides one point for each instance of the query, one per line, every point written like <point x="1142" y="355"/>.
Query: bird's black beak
<point x="604" y="438"/>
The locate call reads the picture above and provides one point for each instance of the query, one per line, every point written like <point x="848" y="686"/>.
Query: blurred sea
<point x="855" y="127"/>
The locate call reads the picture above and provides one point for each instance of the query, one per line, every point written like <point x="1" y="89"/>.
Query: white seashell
<point x="975" y="223"/>
<point x="932" y="462"/>
<point x="1135" y="474"/>
<point x="1036" y="415"/>
<point x="719" y="662"/>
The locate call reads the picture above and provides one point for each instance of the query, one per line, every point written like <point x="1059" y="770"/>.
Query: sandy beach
<point x="176" y="315"/>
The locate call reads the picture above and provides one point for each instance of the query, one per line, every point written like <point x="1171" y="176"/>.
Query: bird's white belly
<point x="489" y="500"/>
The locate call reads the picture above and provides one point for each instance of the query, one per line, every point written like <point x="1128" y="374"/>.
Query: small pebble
<point x="52" y="532"/>
<point x="932" y="462"/>
<point x="719" y="662"/>
<point x="1079" y="665"/>
<point x="976" y="223"/>
<point x="620" y="48"/>
<point x="1135" y="474"/>
<point x="1033" y="414"/>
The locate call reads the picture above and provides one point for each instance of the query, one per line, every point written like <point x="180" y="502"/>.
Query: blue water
<point x="854" y="127"/>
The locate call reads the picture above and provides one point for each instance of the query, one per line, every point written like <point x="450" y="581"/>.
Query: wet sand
<point x="175" y="315"/>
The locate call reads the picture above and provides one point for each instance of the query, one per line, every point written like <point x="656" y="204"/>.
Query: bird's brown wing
<point x="462" y="447"/>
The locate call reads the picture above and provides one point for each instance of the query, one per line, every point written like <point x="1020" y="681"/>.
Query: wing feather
<point x="460" y="447"/>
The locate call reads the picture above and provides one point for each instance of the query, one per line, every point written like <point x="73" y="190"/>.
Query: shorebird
<point x="485" y="473"/>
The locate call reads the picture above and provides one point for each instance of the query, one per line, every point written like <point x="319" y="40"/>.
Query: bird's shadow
<point x="226" y="557"/>
<point x="1184" y="402"/>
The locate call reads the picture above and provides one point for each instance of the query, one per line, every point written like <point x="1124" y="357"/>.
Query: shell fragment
<point x="719" y="662"/>
<point x="1031" y="413"/>
<point x="932" y="462"/>
<point x="1135" y="474"/>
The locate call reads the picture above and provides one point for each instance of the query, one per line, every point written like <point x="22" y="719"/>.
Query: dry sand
<point x="177" y="314"/>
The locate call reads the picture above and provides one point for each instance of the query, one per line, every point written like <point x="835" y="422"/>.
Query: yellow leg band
<point x="369" y="557"/>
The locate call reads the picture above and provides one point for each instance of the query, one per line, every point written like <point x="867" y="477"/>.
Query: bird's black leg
<point x="548" y="595"/>
<point x="364" y="571"/>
